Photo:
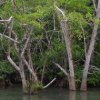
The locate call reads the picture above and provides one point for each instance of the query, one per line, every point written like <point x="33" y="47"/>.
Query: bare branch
<point x="58" y="9"/>
<point x="8" y="38"/>
<point x="9" y="20"/>
<point x="28" y="66"/>
<point x="49" y="83"/>
<point x="95" y="68"/>
<point x="30" y="69"/>
<point x="25" y="46"/>
<point x="27" y="41"/>
<point x="16" y="47"/>
<point x="63" y="70"/>
<point x="13" y="63"/>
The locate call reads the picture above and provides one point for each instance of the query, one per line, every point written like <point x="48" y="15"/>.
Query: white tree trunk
<point x="65" y="29"/>
<point x="90" y="50"/>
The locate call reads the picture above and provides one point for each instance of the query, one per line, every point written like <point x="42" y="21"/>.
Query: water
<point x="49" y="94"/>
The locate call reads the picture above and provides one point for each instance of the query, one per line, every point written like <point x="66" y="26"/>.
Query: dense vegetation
<point x="41" y="22"/>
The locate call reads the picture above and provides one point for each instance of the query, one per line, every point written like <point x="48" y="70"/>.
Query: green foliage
<point x="94" y="79"/>
<point x="78" y="52"/>
<point x="34" y="87"/>
<point x="77" y="24"/>
<point x="6" y="68"/>
<point x="56" y="51"/>
<point x="78" y="75"/>
<point x="77" y="5"/>
<point x="39" y="14"/>
<point x="37" y="86"/>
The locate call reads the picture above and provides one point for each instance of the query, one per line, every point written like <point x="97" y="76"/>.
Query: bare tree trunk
<point x="65" y="29"/>
<point x="90" y="50"/>
<point x="23" y="78"/>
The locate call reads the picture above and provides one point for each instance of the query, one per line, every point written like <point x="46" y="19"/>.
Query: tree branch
<point x="49" y="83"/>
<point x="15" y="44"/>
<point x="28" y="66"/>
<point x="8" y="38"/>
<point x="25" y="46"/>
<point x="13" y="63"/>
<point x="59" y="10"/>
<point x="95" y="68"/>
<point x="63" y="70"/>
<point x="94" y="5"/>
<point x="9" y="20"/>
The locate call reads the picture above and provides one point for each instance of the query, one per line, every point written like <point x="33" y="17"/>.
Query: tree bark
<point x="65" y="29"/>
<point x="90" y="50"/>
<point x="23" y="78"/>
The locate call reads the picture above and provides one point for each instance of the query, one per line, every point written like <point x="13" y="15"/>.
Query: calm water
<point x="50" y="94"/>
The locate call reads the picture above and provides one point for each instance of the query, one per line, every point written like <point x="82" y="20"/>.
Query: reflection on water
<point x="62" y="94"/>
<point x="83" y="96"/>
<point x="50" y="94"/>
<point x="72" y="95"/>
